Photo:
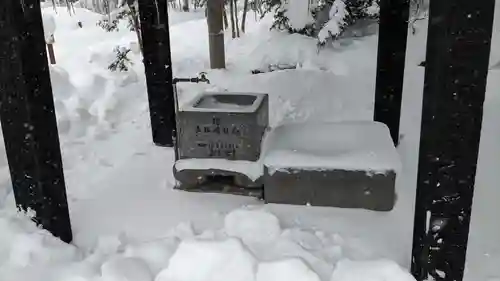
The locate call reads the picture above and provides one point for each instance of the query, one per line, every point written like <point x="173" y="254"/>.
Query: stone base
<point x="331" y="188"/>
<point x="218" y="181"/>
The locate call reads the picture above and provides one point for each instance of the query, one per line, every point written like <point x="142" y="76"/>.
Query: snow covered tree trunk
<point x="323" y="16"/>
<point x="244" y="18"/>
<point x="298" y="14"/>
<point x="231" y="13"/>
<point x="216" y="33"/>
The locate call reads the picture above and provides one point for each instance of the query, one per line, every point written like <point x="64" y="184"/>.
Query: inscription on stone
<point x="219" y="147"/>
<point x="233" y="134"/>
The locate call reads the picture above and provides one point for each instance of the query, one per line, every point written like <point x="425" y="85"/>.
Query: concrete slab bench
<point x="346" y="164"/>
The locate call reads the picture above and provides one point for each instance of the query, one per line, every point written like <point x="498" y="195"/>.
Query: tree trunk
<point x="137" y="26"/>
<point x="185" y="6"/>
<point x="244" y="19"/>
<point x="231" y="13"/>
<point x="236" y="21"/>
<point x="226" y="22"/>
<point x="216" y="33"/>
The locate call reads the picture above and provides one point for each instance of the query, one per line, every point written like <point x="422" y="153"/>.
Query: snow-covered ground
<point x="129" y="223"/>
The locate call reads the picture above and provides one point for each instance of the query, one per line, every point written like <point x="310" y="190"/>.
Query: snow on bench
<point x="351" y="146"/>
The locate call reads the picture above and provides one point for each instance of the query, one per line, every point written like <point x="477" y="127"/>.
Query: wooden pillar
<point x="158" y="66"/>
<point x="393" y="33"/>
<point x="458" y="51"/>
<point x="28" y="117"/>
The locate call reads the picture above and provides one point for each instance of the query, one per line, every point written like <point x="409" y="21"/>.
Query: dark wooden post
<point x="28" y="117"/>
<point x="393" y="33"/>
<point x="458" y="51"/>
<point x="158" y="66"/>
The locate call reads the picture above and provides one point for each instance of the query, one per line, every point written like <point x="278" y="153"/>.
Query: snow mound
<point x="49" y="26"/>
<point x="156" y="254"/>
<point x="198" y="260"/>
<point x="285" y="270"/>
<point x="350" y="145"/>
<point x="298" y="14"/>
<point x="61" y="83"/>
<point x="286" y="249"/>
<point x="39" y="248"/>
<point x="252" y="225"/>
<point x="381" y="270"/>
<point x="23" y="244"/>
<point x="126" y="269"/>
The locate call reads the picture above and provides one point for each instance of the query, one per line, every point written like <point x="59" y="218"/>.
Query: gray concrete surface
<point x="221" y="125"/>
<point x="334" y="188"/>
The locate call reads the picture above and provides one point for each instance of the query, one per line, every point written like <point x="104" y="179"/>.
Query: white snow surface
<point x="126" y="269"/>
<point x="201" y="260"/>
<point x="286" y="270"/>
<point x="120" y="187"/>
<point x="381" y="270"/>
<point x="349" y="145"/>
<point x="252" y="226"/>
<point x="49" y="26"/>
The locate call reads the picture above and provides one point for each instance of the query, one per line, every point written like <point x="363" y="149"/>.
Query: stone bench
<point x="346" y="165"/>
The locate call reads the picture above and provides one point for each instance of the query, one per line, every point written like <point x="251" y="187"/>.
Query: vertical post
<point x="52" y="55"/>
<point x="28" y="117"/>
<point x="216" y="33"/>
<point x="158" y="66"/>
<point x="458" y="51"/>
<point x="393" y="33"/>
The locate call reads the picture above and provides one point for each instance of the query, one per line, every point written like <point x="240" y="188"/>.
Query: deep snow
<point x="129" y="223"/>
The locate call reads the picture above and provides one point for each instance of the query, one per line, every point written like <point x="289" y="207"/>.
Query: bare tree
<point x="226" y="22"/>
<point x="244" y="18"/>
<point x="134" y="18"/>
<point x="236" y="21"/>
<point x="185" y="6"/>
<point x="231" y="13"/>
